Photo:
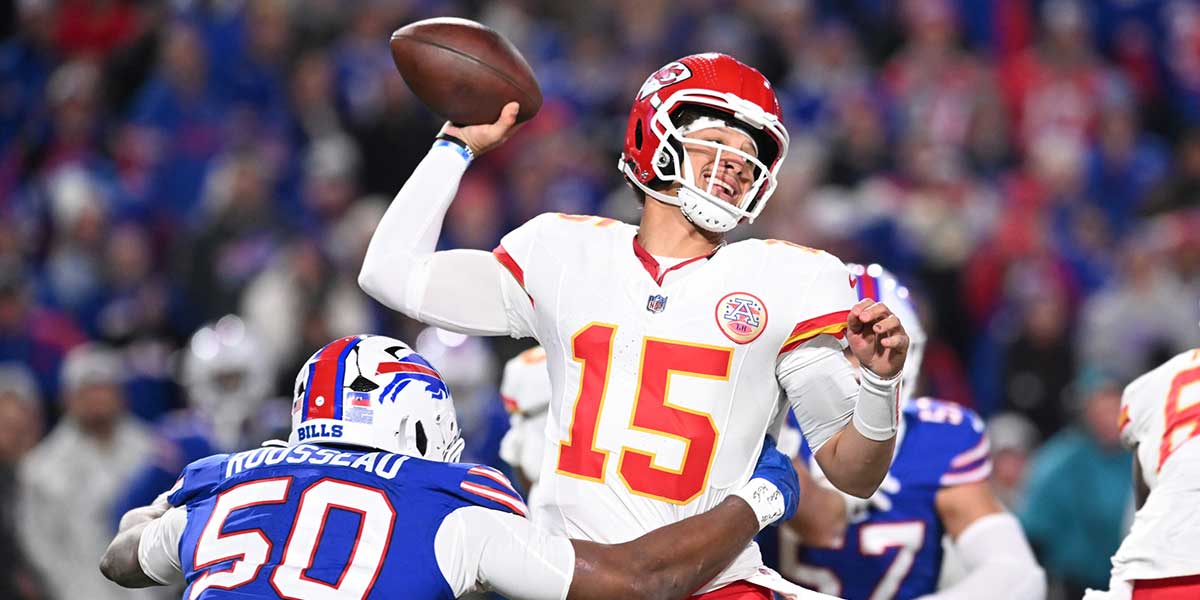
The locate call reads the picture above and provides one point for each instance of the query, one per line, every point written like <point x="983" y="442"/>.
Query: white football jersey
<point x="1160" y="414"/>
<point x="664" y="384"/>
<point x="525" y="390"/>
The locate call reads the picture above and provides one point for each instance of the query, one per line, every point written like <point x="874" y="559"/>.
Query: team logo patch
<point x="656" y="303"/>
<point x="669" y="75"/>
<point x="742" y="317"/>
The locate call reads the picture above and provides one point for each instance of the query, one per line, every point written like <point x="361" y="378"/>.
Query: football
<point x="464" y="71"/>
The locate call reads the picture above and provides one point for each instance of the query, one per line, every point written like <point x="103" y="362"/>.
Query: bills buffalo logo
<point x="742" y="317"/>
<point x="669" y="75"/>
<point x="409" y="370"/>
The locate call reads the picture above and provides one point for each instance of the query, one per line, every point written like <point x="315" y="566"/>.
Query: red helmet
<point x="732" y="94"/>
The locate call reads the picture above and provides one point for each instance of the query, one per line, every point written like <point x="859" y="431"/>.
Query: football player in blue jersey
<point x="365" y="501"/>
<point x="226" y="378"/>
<point x="891" y="547"/>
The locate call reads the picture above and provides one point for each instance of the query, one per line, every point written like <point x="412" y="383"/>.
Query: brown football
<point x="464" y="71"/>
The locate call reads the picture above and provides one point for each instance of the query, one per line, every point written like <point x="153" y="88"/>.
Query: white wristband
<point x="877" y="411"/>
<point x="764" y="499"/>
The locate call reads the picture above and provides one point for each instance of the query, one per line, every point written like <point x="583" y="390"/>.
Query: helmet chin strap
<point x="704" y="213"/>
<point x="699" y="211"/>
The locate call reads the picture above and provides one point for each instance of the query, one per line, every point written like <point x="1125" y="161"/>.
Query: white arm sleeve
<point x="460" y="290"/>
<point x="158" y="549"/>
<point x="820" y="387"/>
<point x="998" y="561"/>
<point x="479" y="548"/>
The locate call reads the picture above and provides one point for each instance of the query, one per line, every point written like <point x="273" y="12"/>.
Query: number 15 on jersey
<point x="653" y="413"/>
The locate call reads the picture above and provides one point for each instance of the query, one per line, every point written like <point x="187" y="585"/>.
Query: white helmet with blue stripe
<point x="880" y="285"/>
<point x="375" y="392"/>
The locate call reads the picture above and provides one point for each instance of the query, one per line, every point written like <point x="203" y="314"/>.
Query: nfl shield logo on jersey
<point x="656" y="303"/>
<point x="742" y="317"/>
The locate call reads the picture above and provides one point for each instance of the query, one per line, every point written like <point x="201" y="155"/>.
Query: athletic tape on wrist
<point x="764" y="499"/>
<point x="877" y="411"/>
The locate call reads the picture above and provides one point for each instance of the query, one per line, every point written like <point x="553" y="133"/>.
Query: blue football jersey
<point x="306" y="521"/>
<point x="897" y="554"/>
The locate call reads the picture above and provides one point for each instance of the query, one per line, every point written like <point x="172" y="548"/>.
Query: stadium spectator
<point x="1181" y="189"/>
<point x="239" y="236"/>
<point x="1136" y="322"/>
<point x="21" y="420"/>
<point x="175" y="126"/>
<point x="67" y="484"/>
<point x="938" y="88"/>
<point x="72" y="275"/>
<point x="26" y="60"/>
<point x="300" y="299"/>
<point x="1058" y="85"/>
<point x="1078" y="499"/>
<point x="1013" y="439"/>
<point x="1039" y="361"/>
<point x="35" y="336"/>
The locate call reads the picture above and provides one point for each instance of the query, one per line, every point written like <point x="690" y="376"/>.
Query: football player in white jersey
<point x="671" y="354"/>
<point x="1160" y="421"/>
<point x="525" y="390"/>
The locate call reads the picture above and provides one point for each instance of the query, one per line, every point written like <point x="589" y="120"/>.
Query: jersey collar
<point x="651" y="264"/>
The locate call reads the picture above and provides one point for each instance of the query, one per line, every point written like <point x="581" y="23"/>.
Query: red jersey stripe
<point x="510" y="404"/>
<point x="495" y="496"/>
<point x="492" y="474"/>
<point x="831" y="324"/>
<point x="509" y="263"/>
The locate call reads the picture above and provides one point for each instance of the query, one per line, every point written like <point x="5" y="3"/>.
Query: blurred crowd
<point x="1030" y="168"/>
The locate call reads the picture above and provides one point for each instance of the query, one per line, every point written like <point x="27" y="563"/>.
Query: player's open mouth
<point x="722" y="187"/>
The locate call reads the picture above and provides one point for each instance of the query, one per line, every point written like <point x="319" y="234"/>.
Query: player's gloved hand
<point x="773" y="491"/>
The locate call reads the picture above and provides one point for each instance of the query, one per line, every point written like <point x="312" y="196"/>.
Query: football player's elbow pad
<point x="999" y="563"/>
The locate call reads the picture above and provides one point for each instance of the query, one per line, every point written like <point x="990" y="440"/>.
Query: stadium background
<point x="1030" y="169"/>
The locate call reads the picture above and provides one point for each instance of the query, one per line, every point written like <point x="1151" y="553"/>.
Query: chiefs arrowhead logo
<point x="669" y="75"/>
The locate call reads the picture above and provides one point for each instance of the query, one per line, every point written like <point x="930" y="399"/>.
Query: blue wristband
<point x="462" y="149"/>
